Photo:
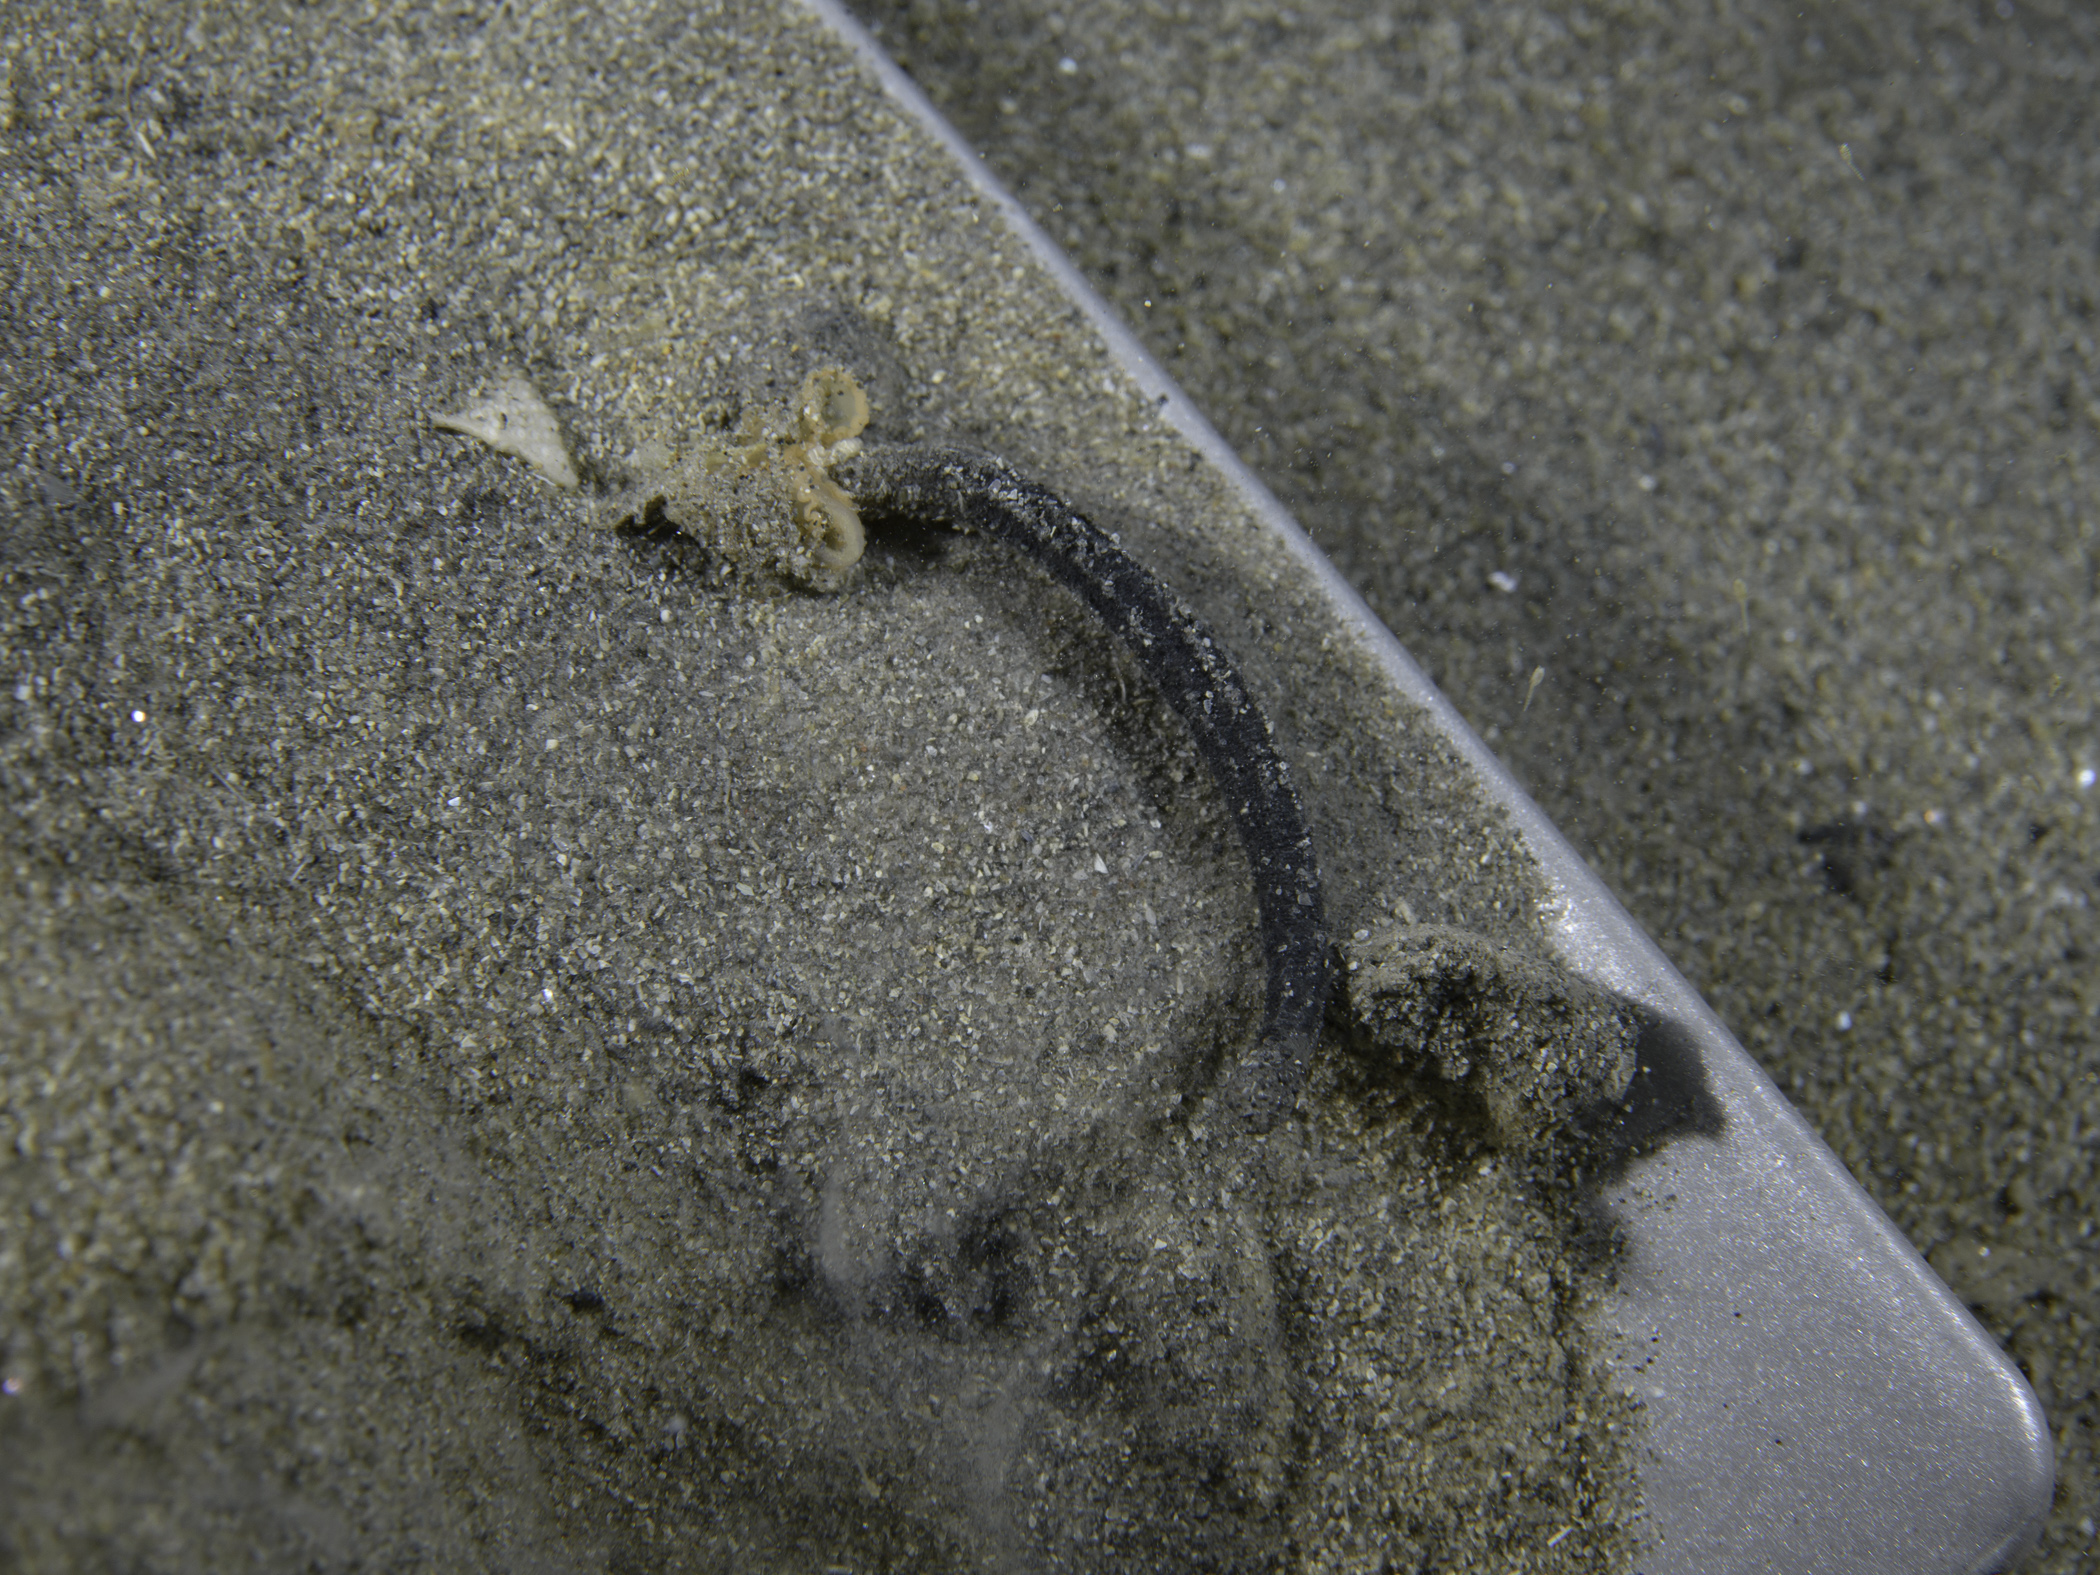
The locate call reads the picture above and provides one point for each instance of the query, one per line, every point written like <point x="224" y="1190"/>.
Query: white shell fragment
<point x="515" y="420"/>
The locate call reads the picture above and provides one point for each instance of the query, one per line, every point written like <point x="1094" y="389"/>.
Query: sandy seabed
<point x="1709" y="398"/>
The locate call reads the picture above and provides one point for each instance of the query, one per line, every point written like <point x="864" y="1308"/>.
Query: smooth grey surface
<point x="1818" y="1400"/>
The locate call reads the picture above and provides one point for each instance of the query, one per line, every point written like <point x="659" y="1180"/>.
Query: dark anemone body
<point x="982" y="494"/>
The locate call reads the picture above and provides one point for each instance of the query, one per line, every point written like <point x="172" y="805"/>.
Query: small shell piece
<point x="513" y="419"/>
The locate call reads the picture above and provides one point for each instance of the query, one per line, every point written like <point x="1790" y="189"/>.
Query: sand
<point x="531" y="1044"/>
<point x="1710" y="400"/>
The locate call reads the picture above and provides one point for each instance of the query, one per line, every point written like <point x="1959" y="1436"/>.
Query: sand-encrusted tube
<point x="980" y="493"/>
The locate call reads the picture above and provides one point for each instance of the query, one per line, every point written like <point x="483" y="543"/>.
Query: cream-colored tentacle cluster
<point x="831" y="412"/>
<point x="762" y="496"/>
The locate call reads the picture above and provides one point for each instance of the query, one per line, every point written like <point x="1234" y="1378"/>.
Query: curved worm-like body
<point x="978" y="493"/>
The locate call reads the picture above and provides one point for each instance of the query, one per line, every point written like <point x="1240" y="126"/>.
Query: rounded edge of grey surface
<point x="1817" y="1400"/>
